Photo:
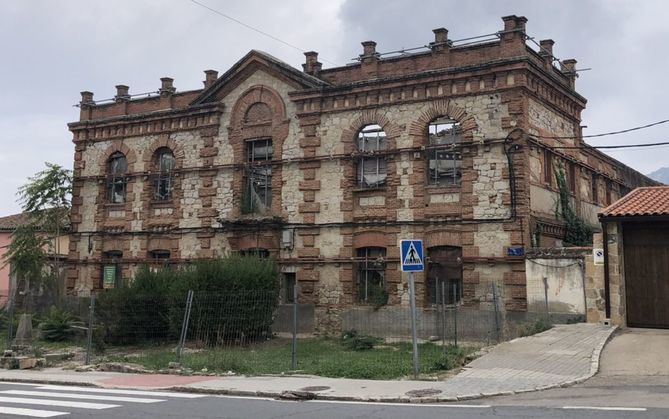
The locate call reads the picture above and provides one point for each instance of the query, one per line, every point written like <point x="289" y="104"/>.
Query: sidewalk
<point x="564" y="355"/>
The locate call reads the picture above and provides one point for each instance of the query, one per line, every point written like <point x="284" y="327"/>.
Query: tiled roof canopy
<point x="645" y="201"/>
<point x="10" y="222"/>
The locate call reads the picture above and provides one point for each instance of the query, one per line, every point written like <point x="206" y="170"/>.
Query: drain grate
<point x="423" y="393"/>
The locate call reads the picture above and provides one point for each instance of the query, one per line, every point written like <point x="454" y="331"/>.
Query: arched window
<point x="257" y="196"/>
<point x="444" y="274"/>
<point x="164" y="162"/>
<point x="372" y="170"/>
<point x="117" y="166"/>
<point x="444" y="157"/>
<point x="372" y="275"/>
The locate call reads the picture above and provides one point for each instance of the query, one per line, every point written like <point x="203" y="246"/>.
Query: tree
<point x="46" y="201"/>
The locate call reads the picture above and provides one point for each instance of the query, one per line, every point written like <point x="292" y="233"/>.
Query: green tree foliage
<point x="46" y="201"/>
<point x="577" y="232"/>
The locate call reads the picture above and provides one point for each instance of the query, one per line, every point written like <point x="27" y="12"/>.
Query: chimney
<point x="514" y="22"/>
<point x="568" y="67"/>
<point x="369" y="49"/>
<point x="122" y="93"/>
<point x="513" y="36"/>
<point x="86" y="98"/>
<point x="440" y="40"/>
<point x="210" y="77"/>
<point x="311" y="65"/>
<point x="166" y="87"/>
<point x="546" y="50"/>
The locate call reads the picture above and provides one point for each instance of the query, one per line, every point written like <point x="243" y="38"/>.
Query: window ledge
<point x="166" y="203"/>
<point x="443" y="189"/>
<point x="114" y="205"/>
<point x="374" y="189"/>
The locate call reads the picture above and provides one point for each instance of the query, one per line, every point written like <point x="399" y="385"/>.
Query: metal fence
<point x="251" y="333"/>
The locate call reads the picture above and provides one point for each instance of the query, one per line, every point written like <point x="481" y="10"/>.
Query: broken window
<point x="444" y="274"/>
<point x="371" y="275"/>
<point x="117" y="166"/>
<point x="594" y="189"/>
<point x="372" y="170"/>
<point x="258" y="177"/>
<point x="255" y="251"/>
<point x="444" y="157"/>
<point x="159" y="258"/>
<point x="288" y="287"/>
<point x="164" y="163"/>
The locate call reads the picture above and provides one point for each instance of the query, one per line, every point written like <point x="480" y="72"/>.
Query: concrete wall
<point x="565" y="280"/>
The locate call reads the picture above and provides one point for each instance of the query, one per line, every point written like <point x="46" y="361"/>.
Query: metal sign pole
<point x="412" y="300"/>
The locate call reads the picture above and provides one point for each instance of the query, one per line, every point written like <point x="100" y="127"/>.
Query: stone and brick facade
<point x="512" y="108"/>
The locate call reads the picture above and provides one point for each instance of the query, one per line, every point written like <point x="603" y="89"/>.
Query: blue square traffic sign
<point x="411" y="255"/>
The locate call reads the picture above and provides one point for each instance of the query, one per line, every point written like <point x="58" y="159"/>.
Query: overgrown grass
<point x="323" y="357"/>
<point x="532" y="328"/>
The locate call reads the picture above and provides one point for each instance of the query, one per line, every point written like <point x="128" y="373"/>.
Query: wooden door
<point x="646" y="247"/>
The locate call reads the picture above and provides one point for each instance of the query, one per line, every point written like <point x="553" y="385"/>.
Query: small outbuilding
<point x="635" y="246"/>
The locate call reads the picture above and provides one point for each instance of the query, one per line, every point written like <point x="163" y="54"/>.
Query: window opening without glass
<point x="444" y="156"/>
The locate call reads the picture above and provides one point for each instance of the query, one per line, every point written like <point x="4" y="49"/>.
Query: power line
<point x="609" y="147"/>
<point x="604" y="134"/>
<point x="246" y="25"/>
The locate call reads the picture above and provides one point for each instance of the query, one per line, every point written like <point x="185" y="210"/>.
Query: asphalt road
<point x="35" y="400"/>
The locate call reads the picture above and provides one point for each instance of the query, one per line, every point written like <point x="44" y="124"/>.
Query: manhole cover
<point x="423" y="393"/>
<point x="315" y="388"/>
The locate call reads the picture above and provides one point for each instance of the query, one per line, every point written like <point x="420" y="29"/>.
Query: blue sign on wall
<point x="411" y="255"/>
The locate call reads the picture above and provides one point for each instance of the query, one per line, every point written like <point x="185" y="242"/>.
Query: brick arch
<point x="370" y="117"/>
<point x="253" y="95"/>
<point x="118" y="145"/>
<point x="370" y="239"/>
<point x="440" y="108"/>
<point x="163" y="141"/>
<point x="241" y="129"/>
<point x="442" y="238"/>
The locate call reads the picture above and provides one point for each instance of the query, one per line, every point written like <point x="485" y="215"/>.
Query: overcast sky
<point x="53" y="49"/>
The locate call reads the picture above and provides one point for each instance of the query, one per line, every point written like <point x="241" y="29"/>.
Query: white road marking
<point x="60" y="403"/>
<point x="30" y="412"/>
<point x="623" y="409"/>
<point x="122" y="391"/>
<point x="80" y="396"/>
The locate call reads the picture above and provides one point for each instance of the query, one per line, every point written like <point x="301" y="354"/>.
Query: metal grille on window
<point x="444" y="158"/>
<point x="116" y="182"/>
<point x="164" y="163"/>
<point x="258" y="176"/>
<point x="160" y="258"/>
<point x="371" y="275"/>
<point x="372" y="170"/>
<point x="444" y="270"/>
<point x="256" y="251"/>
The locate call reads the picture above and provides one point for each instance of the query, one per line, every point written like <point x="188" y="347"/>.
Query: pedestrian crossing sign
<point x="411" y="255"/>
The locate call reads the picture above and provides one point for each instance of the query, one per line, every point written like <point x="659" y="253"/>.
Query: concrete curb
<point x="594" y="368"/>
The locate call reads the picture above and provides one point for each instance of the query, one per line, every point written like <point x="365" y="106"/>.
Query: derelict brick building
<point x="325" y="170"/>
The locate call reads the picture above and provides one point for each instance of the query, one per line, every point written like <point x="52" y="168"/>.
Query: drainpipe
<point x="607" y="287"/>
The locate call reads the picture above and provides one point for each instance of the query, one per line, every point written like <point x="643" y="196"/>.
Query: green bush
<point x="354" y="341"/>
<point x="453" y="357"/>
<point x="58" y="325"/>
<point x="234" y="299"/>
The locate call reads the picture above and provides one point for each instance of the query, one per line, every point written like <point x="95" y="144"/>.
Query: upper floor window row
<point x="163" y="165"/>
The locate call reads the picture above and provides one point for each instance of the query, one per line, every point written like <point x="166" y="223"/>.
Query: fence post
<point x="184" y="324"/>
<point x="293" y="357"/>
<point x="91" y="321"/>
<point x="495" y="300"/>
<point x="455" y="314"/>
<point x="10" y="314"/>
<point x="414" y="339"/>
<point x="443" y="314"/>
